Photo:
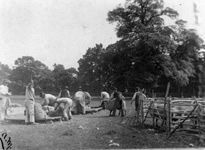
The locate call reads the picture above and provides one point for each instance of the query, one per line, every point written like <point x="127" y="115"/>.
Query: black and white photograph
<point x="102" y="74"/>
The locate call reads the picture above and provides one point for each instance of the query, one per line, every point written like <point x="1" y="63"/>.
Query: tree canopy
<point x="148" y="50"/>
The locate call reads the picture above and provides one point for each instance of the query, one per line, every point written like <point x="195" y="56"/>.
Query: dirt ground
<point x="93" y="131"/>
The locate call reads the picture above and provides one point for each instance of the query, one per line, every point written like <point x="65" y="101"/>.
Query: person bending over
<point x="48" y="101"/>
<point x="68" y="104"/>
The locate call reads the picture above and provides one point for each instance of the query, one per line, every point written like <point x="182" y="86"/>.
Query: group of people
<point x="54" y="105"/>
<point x="64" y="103"/>
<point x="117" y="101"/>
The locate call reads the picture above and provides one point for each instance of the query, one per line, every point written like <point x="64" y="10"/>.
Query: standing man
<point x="118" y="101"/>
<point x="5" y="101"/>
<point x="64" y="93"/>
<point x="29" y="104"/>
<point x="138" y="97"/>
<point x="79" y="102"/>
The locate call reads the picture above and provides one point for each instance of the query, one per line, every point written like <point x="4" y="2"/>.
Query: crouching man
<point x="48" y="101"/>
<point x="68" y="104"/>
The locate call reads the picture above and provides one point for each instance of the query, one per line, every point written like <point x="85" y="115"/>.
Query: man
<point x="79" y="102"/>
<point x="5" y="101"/>
<point x="68" y="104"/>
<point x="64" y="92"/>
<point x="118" y="101"/>
<point x="87" y="98"/>
<point x="138" y="97"/>
<point x="104" y="98"/>
<point x="29" y="104"/>
<point x="48" y="101"/>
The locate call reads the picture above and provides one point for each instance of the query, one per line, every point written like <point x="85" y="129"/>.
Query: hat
<point x="66" y="87"/>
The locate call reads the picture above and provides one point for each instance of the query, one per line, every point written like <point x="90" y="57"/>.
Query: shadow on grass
<point x="22" y="122"/>
<point x="100" y="117"/>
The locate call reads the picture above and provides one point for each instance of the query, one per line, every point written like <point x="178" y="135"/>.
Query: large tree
<point x="65" y="77"/>
<point x="90" y="70"/>
<point x="154" y="49"/>
<point x="5" y="71"/>
<point x="27" y="68"/>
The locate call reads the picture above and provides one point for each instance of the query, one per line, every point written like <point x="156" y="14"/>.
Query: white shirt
<point x="80" y="94"/>
<point x="4" y="90"/>
<point x="142" y="96"/>
<point x="87" y="98"/>
<point x="105" y="95"/>
<point x="49" y="99"/>
<point x="30" y="94"/>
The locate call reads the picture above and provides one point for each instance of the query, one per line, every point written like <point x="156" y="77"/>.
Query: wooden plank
<point x="182" y="104"/>
<point x="185" y="124"/>
<point x="182" y="100"/>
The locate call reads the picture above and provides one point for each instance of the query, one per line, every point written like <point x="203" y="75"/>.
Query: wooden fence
<point x="175" y="115"/>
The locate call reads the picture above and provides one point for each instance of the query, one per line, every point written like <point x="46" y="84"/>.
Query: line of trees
<point x="149" y="54"/>
<point x="27" y="68"/>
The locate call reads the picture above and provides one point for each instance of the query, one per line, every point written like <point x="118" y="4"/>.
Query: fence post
<point x="168" y="116"/>
<point x="153" y="117"/>
<point x="142" y="112"/>
<point x="165" y="103"/>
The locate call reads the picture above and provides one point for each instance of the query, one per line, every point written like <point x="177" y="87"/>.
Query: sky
<point x="61" y="31"/>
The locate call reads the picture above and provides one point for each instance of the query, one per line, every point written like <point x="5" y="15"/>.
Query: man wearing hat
<point x="5" y="101"/>
<point x="64" y="92"/>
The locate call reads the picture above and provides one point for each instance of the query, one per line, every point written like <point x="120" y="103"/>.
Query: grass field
<point x="95" y="102"/>
<point x="91" y="131"/>
<point x="20" y="99"/>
